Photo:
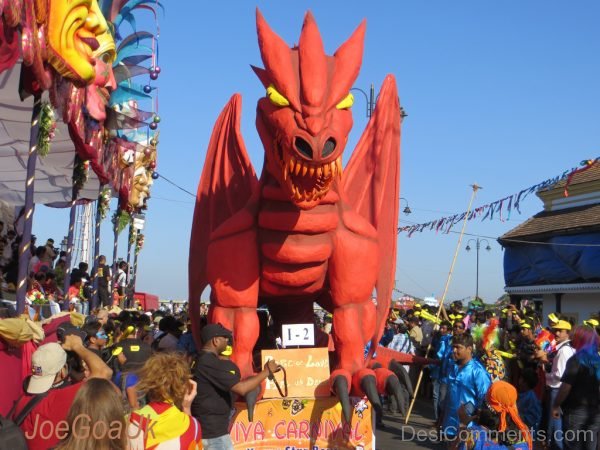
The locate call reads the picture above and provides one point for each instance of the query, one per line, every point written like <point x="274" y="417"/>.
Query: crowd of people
<point x="46" y="274"/>
<point x="133" y="380"/>
<point x="547" y="377"/>
<point x="499" y="378"/>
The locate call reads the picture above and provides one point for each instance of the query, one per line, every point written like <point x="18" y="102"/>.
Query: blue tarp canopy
<point x="572" y="259"/>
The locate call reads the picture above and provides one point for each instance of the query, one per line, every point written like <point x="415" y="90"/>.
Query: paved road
<point x="416" y="434"/>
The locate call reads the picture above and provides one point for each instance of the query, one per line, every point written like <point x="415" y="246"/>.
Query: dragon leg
<point x="353" y="326"/>
<point x="244" y="321"/>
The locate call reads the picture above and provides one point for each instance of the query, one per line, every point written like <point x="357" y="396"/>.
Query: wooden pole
<point x="439" y="311"/>
<point x="24" y="246"/>
<point x="94" y="299"/>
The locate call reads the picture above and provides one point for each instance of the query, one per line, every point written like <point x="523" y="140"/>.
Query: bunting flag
<point x="500" y="208"/>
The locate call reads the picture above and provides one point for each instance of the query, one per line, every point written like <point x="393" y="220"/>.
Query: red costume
<point x="303" y="233"/>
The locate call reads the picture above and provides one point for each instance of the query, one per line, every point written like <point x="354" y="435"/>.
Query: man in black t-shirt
<point x="579" y="398"/>
<point x="104" y="278"/>
<point x="134" y="352"/>
<point x="218" y="379"/>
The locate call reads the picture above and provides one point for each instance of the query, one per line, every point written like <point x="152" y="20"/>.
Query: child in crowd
<point x="529" y="405"/>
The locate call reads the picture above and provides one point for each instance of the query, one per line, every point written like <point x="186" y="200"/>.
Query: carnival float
<point x="307" y="231"/>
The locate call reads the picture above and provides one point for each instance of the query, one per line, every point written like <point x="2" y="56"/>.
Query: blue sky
<point x="503" y="94"/>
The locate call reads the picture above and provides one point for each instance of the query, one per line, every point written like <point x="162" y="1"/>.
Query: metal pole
<point x="24" y="246"/>
<point x="70" y="239"/>
<point x="115" y="248"/>
<point x="477" y="274"/>
<point x="371" y="100"/>
<point x="94" y="299"/>
<point x="86" y="226"/>
<point x="135" y="266"/>
<point x="131" y="230"/>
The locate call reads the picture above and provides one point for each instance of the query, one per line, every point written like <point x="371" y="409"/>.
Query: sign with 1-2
<point x="298" y="334"/>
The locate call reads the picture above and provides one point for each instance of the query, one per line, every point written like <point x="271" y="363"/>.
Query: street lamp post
<point x="369" y="98"/>
<point x="406" y="210"/>
<point x="478" y="243"/>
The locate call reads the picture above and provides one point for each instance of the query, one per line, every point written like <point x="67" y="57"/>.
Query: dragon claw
<point x="402" y="375"/>
<point x="394" y="390"/>
<point x="251" y="398"/>
<point x="340" y="386"/>
<point x="369" y="387"/>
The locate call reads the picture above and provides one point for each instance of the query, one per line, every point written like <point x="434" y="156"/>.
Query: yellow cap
<point x="562" y="325"/>
<point x="525" y="325"/>
<point x="591" y="323"/>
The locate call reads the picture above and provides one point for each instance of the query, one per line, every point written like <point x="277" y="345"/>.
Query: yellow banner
<point x="303" y="424"/>
<point x="307" y="372"/>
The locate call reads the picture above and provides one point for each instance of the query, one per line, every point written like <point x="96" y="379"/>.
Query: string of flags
<point x="500" y="208"/>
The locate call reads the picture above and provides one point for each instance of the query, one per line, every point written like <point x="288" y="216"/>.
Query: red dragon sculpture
<point x="307" y="230"/>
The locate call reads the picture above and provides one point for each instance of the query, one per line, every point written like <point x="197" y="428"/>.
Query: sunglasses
<point x="101" y="335"/>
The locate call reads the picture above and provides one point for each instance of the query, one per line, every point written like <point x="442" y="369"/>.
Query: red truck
<point x="147" y="301"/>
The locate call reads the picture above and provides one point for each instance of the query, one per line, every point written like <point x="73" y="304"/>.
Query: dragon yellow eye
<point x="347" y="102"/>
<point x="276" y="98"/>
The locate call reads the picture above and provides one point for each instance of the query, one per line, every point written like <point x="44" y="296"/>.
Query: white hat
<point x="46" y="362"/>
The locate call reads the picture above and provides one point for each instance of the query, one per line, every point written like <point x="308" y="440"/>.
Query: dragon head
<point x="304" y="119"/>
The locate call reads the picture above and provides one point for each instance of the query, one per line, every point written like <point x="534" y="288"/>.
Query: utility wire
<point x="171" y="200"/>
<point x="160" y="175"/>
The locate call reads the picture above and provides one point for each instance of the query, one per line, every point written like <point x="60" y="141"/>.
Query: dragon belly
<point x="294" y="257"/>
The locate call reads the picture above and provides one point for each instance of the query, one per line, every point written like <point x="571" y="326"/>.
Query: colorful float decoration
<point x="68" y="49"/>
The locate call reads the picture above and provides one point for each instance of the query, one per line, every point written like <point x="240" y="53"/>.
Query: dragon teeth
<point x="292" y="164"/>
<point x="326" y="170"/>
<point x="311" y="171"/>
<point x="298" y="167"/>
<point x="304" y="169"/>
<point x="338" y="163"/>
<point x="319" y="171"/>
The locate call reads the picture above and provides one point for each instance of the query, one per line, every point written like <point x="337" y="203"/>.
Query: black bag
<point x="11" y="435"/>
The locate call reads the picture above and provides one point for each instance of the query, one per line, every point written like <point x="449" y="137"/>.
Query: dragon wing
<point x="227" y="182"/>
<point x="372" y="184"/>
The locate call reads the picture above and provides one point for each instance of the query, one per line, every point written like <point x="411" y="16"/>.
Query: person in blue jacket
<point x="439" y="373"/>
<point x="468" y="382"/>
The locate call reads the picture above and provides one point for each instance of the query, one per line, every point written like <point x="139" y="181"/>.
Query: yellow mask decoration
<point x="98" y="92"/>
<point x="142" y="177"/>
<point x="73" y="29"/>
